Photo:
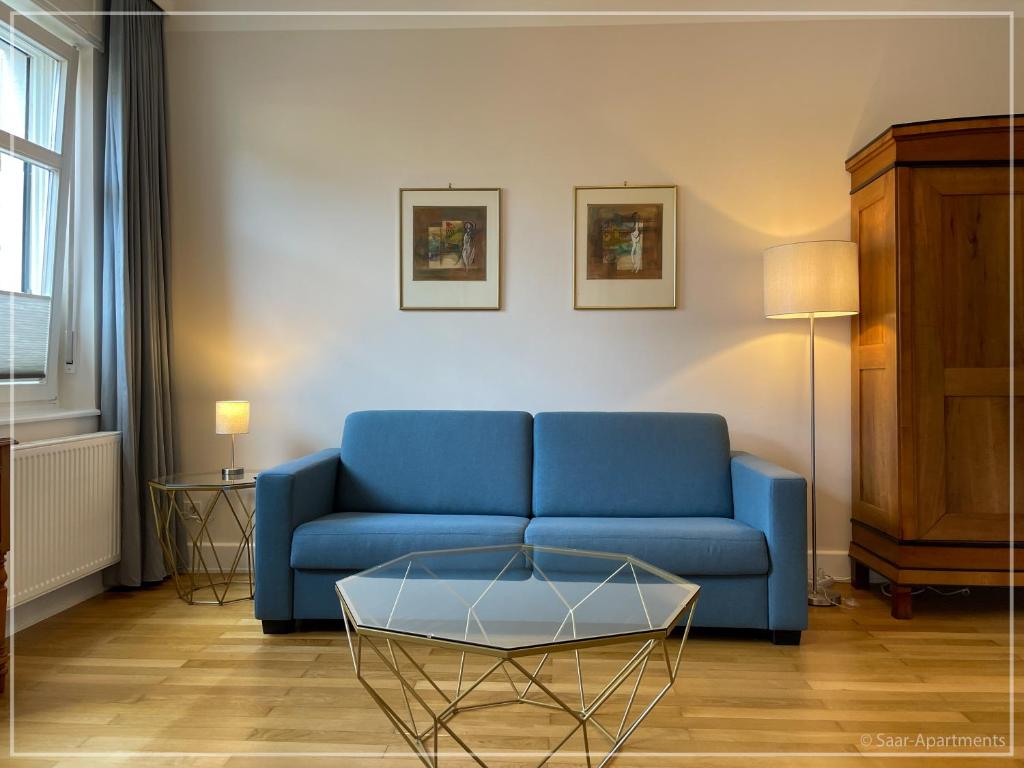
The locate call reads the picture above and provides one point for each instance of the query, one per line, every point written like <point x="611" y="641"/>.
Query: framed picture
<point x="624" y="247"/>
<point x="449" y="249"/>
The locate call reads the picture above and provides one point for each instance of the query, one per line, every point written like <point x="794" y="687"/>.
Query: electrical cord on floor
<point x="825" y="581"/>
<point x="887" y="591"/>
<point x="837" y="599"/>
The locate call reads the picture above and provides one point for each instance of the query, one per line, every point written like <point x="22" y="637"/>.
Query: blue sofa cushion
<point x="631" y="464"/>
<point x="358" y="540"/>
<point x="688" y="546"/>
<point x="439" y="462"/>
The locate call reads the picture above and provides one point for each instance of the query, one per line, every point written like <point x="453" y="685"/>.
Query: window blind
<point x="24" y="336"/>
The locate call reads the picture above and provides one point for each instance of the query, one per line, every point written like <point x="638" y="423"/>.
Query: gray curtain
<point x="135" y="396"/>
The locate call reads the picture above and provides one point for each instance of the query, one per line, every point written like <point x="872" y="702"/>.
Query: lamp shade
<point x="232" y="417"/>
<point x="814" y="278"/>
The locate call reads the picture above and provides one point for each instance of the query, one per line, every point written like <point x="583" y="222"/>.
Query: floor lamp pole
<point x="816" y="595"/>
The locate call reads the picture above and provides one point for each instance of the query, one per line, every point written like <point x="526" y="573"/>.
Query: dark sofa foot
<point x="784" y="636"/>
<point x="278" y="626"/>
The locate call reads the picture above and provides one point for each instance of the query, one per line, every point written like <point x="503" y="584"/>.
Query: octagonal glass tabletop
<point x="204" y="481"/>
<point x="515" y="597"/>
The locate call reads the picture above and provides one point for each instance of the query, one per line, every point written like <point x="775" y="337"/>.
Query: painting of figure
<point x="624" y="241"/>
<point x="449" y="242"/>
<point x="624" y="247"/>
<point x="449" y="253"/>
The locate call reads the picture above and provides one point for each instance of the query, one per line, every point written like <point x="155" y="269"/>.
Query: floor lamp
<point x="812" y="280"/>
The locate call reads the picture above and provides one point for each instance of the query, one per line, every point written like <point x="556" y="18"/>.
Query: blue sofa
<point x="661" y="486"/>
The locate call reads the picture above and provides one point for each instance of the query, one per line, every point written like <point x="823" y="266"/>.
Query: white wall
<point x="287" y="151"/>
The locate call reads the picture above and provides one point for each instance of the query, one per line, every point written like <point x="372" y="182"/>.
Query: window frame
<point x="63" y="164"/>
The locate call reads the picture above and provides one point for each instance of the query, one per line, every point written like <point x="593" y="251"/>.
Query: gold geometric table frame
<point x="168" y="506"/>
<point x="393" y="651"/>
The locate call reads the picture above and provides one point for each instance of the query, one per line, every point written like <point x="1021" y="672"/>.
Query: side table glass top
<point x="205" y="480"/>
<point x="516" y="599"/>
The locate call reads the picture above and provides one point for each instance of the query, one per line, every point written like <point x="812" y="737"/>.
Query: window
<point x="37" y="79"/>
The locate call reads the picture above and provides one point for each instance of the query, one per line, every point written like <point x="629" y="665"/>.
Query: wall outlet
<point x="190" y="508"/>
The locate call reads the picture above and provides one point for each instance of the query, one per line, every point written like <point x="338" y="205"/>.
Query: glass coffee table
<point x="508" y="611"/>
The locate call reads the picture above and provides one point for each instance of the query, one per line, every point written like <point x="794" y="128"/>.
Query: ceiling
<point x="414" y="14"/>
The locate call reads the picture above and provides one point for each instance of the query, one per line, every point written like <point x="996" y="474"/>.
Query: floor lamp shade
<point x="816" y="278"/>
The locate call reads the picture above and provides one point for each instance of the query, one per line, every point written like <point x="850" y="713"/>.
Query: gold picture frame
<point x="624" y="246"/>
<point x="449" y="248"/>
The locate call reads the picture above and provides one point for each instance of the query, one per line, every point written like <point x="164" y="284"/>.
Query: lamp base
<point x="823" y="597"/>
<point x="232" y="473"/>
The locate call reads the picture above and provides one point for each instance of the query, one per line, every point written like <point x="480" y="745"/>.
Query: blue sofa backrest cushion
<point x="441" y="462"/>
<point x="631" y="465"/>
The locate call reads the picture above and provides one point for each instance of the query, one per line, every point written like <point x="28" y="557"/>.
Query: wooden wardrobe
<point x="931" y="211"/>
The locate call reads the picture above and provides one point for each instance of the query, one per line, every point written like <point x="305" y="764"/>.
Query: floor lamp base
<point x="823" y="597"/>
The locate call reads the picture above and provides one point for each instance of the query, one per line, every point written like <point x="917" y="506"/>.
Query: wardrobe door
<point x="956" y="349"/>
<point x="874" y="429"/>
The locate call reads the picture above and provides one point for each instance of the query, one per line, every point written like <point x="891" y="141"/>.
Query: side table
<point x="174" y="499"/>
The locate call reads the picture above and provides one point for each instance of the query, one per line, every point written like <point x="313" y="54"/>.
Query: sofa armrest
<point x="287" y="496"/>
<point x="774" y="500"/>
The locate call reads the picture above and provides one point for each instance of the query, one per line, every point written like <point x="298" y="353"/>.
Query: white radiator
<point x="65" y="521"/>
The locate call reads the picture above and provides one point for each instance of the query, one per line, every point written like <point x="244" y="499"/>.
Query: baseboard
<point x="52" y="603"/>
<point x="836" y="563"/>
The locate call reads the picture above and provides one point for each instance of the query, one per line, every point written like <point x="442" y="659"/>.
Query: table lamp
<point x="232" y="419"/>
<point x="812" y="280"/>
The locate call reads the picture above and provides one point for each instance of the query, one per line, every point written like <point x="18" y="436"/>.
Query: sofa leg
<point x="860" y="575"/>
<point x="902" y="602"/>
<point x="786" y="636"/>
<point x="278" y="626"/>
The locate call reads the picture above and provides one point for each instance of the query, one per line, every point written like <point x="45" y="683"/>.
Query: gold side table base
<point x="438" y="715"/>
<point x="202" y="577"/>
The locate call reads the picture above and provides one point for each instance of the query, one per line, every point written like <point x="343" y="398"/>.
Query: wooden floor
<point x="142" y="672"/>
